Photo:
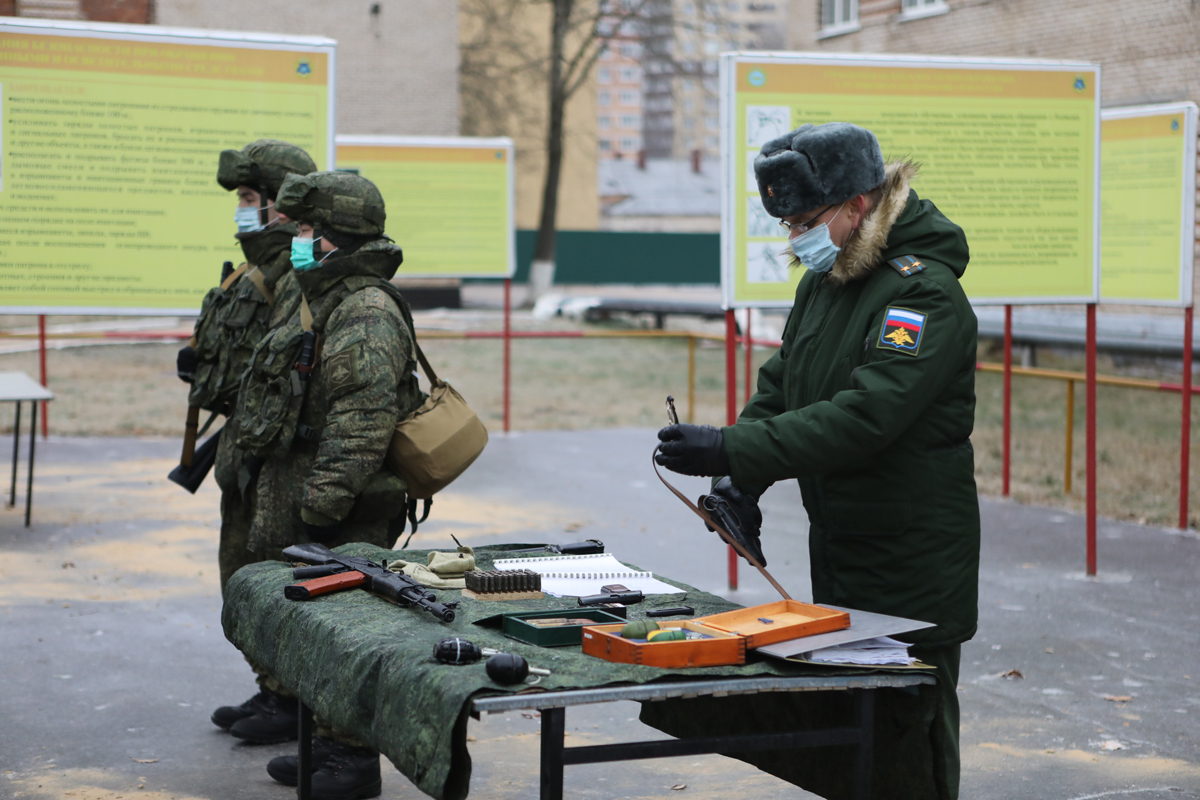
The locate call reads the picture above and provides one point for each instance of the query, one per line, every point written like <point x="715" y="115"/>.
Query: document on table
<point x="576" y="576"/>
<point x="882" y="650"/>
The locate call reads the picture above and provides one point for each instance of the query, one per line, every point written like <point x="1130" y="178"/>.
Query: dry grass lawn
<point x="124" y="390"/>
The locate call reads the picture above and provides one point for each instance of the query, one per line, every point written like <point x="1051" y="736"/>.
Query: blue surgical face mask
<point x="247" y="220"/>
<point x="815" y="249"/>
<point x="302" y="253"/>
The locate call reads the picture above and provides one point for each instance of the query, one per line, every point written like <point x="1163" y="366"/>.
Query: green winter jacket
<point x="870" y="404"/>
<point x="324" y="449"/>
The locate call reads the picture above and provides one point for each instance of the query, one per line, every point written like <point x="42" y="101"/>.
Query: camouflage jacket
<point x="233" y="319"/>
<point x="323" y="449"/>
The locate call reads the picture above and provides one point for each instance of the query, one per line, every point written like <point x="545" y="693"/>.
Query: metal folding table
<point x="553" y="707"/>
<point x="17" y="387"/>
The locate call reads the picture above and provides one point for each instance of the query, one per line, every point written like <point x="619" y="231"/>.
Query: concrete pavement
<point x="113" y="654"/>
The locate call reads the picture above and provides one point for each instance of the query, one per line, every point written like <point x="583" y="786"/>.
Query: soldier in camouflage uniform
<point x="317" y="432"/>
<point x="234" y="317"/>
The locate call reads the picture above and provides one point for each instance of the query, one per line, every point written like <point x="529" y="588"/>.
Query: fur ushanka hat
<point x="817" y="165"/>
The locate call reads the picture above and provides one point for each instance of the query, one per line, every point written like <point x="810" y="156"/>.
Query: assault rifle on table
<point x="332" y="573"/>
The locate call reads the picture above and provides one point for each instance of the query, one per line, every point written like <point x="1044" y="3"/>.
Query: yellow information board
<point x="1008" y="149"/>
<point x="449" y="201"/>
<point x="109" y="201"/>
<point x="1148" y="204"/>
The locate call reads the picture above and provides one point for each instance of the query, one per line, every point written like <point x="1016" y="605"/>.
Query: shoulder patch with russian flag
<point x="902" y="330"/>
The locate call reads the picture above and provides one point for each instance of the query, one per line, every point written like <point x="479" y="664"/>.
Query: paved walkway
<point x="113" y="655"/>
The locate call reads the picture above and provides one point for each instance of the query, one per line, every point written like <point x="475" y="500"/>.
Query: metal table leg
<point x="12" y="492"/>
<point x="29" y="477"/>
<point x="866" y="744"/>
<point x="304" y="752"/>
<point x="554" y="728"/>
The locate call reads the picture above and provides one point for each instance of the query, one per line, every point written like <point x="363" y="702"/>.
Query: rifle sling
<point x="260" y="282"/>
<point x="712" y="523"/>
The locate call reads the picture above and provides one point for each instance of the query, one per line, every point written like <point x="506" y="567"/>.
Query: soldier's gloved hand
<point x="186" y="363"/>
<point x="692" y="450"/>
<point x="321" y="534"/>
<point x="746" y="514"/>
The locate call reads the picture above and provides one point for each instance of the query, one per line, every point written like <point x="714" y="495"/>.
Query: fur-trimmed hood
<point x="861" y="255"/>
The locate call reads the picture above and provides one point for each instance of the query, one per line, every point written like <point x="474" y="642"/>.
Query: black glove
<point x="739" y="514"/>
<point x="186" y="363"/>
<point x="322" y="534"/>
<point x="692" y="450"/>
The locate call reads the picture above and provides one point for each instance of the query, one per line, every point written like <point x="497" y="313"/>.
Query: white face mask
<point x="815" y="248"/>
<point x="247" y="220"/>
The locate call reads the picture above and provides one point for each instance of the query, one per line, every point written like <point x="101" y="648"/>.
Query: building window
<point x="628" y="75"/>
<point x="603" y="98"/>
<point x="714" y="142"/>
<point x="916" y="9"/>
<point x="603" y="122"/>
<point x="630" y="121"/>
<point x="605" y="145"/>
<point x="689" y="105"/>
<point x="603" y="75"/>
<point x="629" y="144"/>
<point x="838" y="17"/>
<point x="712" y="122"/>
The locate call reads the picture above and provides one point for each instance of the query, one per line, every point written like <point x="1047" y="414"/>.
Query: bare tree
<point x="503" y="53"/>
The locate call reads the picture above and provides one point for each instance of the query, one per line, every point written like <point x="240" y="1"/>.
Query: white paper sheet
<point x="576" y="576"/>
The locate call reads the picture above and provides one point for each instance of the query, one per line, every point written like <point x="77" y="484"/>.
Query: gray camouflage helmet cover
<point x="263" y="164"/>
<point x="341" y="201"/>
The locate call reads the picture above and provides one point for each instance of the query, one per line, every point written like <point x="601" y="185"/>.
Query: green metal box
<point x="516" y="627"/>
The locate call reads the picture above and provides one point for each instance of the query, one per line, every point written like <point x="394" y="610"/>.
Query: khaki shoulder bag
<point x="436" y="443"/>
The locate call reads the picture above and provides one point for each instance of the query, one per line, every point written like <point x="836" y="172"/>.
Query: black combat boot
<point x="348" y="773"/>
<point x="274" y="722"/>
<point x="225" y="716"/>
<point x="286" y="769"/>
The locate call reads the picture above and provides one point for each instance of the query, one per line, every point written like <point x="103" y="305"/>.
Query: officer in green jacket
<point x="319" y="404"/>
<point x="870" y="402"/>
<point x="234" y="318"/>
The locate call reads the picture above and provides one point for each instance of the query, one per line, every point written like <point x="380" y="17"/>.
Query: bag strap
<point x="233" y="276"/>
<point x="389" y="288"/>
<point x="260" y="282"/>
<point x="306" y="317"/>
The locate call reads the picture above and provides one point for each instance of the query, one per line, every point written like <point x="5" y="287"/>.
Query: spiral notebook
<point x="576" y="576"/>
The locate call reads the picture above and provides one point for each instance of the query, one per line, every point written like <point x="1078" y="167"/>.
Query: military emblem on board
<point x="304" y="69"/>
<point x="902" y="330"/>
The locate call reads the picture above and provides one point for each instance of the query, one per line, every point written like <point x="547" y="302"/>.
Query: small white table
<point x="17" y="387"/>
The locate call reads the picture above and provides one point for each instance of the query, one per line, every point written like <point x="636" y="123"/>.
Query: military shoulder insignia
<point x="902" y="330"/>
<point x="906" y="265"/>
<point x="342" y="370"/>
<point x="375" y="298"/>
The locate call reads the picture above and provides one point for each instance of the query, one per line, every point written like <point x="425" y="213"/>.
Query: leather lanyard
<point x="702" y="514"/>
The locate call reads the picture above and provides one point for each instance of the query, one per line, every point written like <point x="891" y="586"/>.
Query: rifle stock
<point x="192" y="474"/>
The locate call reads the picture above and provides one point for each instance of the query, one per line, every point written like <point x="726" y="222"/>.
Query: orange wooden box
<point x="732" y="632"/>
<point x="790" y="619"/>
<point x="605" y="641"/>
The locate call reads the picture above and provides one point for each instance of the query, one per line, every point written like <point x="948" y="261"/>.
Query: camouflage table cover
<point x="366" y="666"/>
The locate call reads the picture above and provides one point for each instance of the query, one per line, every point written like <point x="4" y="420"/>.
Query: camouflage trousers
<point x="234" y="552"/>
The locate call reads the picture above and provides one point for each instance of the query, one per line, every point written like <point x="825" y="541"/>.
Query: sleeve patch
<point x="902" y="330"/>
<point x="342" y="370"/>
<point x="907" y="266"/>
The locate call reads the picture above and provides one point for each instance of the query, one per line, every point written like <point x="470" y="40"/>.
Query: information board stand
<point x="1009" y="150"/>
<point x="108" y="193"/>
<point x="1148" y="213"/>
<point x="451" y="205"/>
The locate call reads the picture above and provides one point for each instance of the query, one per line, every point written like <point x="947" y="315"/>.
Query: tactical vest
<point x="272" y="394"/>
